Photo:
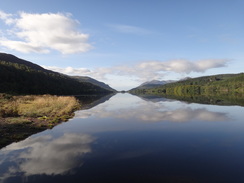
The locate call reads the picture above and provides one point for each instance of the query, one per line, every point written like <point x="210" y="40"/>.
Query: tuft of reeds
<point x="45" y="107"/>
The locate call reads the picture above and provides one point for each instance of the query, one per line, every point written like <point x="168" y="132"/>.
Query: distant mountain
<point x="153" y="83"/>
<point x="93" y="81"/>
<point x="18" y="76"/>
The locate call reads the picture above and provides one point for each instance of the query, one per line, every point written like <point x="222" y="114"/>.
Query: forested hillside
<point x="18" y="76"/>
<point x="224" y="83"/>
<point x="93" y="81"/>
<point x="225" y="89"/>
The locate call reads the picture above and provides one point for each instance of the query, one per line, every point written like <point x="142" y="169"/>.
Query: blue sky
<point x="124" y="43"/>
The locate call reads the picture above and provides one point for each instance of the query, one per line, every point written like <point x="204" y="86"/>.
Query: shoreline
<point x="22" y="116"/>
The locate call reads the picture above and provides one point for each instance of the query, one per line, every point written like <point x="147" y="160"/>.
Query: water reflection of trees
<point x="89" y="101"/>
<point x="213" y="99"/>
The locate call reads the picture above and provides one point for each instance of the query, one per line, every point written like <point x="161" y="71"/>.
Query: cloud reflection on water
<point x="47" y="155"/>
<point x="155" y="112"/>
<point x="52" y="155"/>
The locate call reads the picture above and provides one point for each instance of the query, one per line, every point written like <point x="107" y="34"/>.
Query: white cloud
<point x="6" y="17"/>
<point x="203" y="65"/>
<point x="70" y="70"/>
<point x="145" y="71"/>
<point x="42" y="33"/>
<point x="183" y="66"/>
<point x="129" y="29"/>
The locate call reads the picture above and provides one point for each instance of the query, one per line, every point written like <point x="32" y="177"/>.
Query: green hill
<point x="224" y="83"/>
<point x="18" y="76"/>
<point x="93" y="81"/>
<point x="224" y="89"/>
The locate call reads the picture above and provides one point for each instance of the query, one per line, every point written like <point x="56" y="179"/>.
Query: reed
<point x="46" y="107"/>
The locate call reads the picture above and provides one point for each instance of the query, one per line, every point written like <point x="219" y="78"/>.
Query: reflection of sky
<point x="122" y="101"/>
<point x="46" y="155"/>
<point x="135" y="113"/>
<point x="151" y="112"/>
<point x="123" y="120"/>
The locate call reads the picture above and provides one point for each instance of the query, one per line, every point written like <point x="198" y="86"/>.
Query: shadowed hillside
<point x="93" y="81"/>
<point x="18" y="76"/>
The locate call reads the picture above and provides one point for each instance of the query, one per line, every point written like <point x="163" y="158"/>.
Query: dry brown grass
<point x="46" y="106"/>
<point x="22" y="116"/>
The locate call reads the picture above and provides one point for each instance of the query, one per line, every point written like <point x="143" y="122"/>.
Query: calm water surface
<point x="129" y="139"/>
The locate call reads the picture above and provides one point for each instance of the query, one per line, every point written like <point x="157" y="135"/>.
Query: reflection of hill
<point x="90" y="101"/>
<point x="227" y="100"/>
<point x="152" y="98"/>
<point x="218" y="99"/>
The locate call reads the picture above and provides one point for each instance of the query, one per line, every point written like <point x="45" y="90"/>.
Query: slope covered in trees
<point x="93" y="81"/>
<point x="18" y="76"/>
<point x="225" y="89"/>
<point x="224" y="83"/>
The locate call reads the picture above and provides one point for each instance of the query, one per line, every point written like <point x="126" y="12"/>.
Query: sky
<point x="125" y="43"/>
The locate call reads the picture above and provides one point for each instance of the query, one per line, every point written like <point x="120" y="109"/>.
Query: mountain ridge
<point x="200" y="85"/>
<point x="19" y="76"/>
<point x="93" y="81"/>
<point x="13" y="59"/>
<point x="153" y="83"/>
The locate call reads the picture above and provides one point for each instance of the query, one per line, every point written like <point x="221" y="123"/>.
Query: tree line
<point x="225" y="83"/>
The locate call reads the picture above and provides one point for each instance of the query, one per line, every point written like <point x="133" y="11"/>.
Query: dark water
<point x="128" y="139"/>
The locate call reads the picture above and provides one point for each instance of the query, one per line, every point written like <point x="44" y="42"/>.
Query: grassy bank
<point x="21" y="116"/>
